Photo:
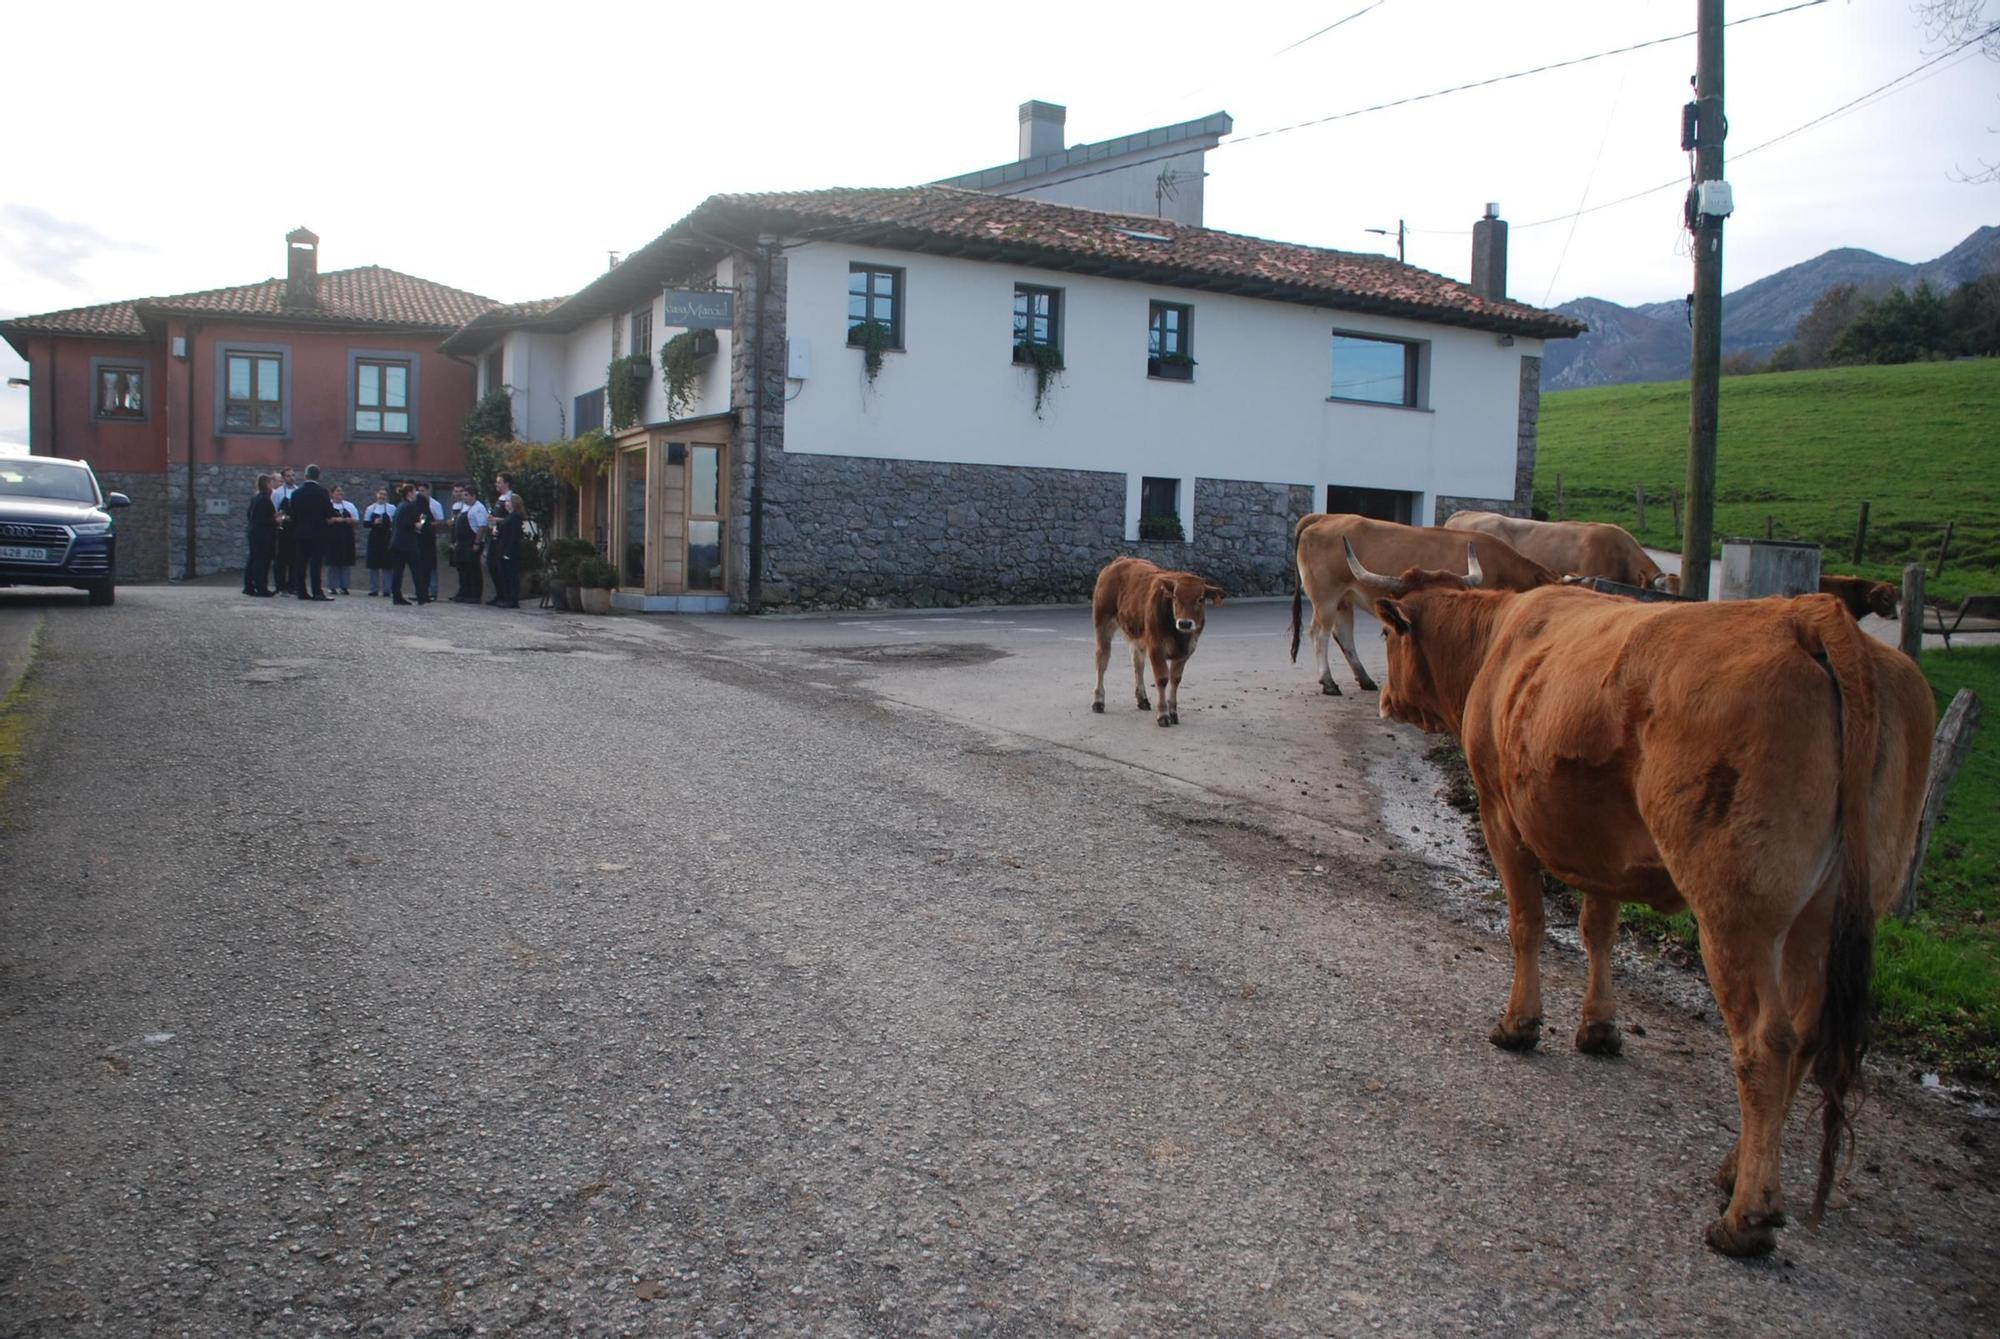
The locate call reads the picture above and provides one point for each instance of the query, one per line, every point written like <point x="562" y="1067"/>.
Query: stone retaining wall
<point x="141" y="527"/>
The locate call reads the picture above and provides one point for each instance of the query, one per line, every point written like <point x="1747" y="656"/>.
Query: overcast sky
<point x="506" y="149"/>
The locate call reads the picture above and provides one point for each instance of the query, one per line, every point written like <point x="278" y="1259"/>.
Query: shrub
<point x="595" y="572"/>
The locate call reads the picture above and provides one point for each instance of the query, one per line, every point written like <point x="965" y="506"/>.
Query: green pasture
<point x="1919" y="442"/>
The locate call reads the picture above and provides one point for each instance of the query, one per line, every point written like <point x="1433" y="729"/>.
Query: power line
<point x="1329" y="28"/>
<point x="1425" y="97"/>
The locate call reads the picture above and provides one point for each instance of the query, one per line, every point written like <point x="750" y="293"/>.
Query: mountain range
<point x="1650" y="342"/>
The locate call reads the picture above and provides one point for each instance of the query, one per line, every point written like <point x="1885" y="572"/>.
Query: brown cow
<point x="1575" y="548"/>
<point x="1325" y="579"/>
<point x="1161" y="615"/>
<point x="1760" y="762"/>
<point x="1862" y="596"/>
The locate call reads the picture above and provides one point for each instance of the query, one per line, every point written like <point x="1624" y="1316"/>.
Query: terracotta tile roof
<point x="369" y="295"/>
<point x="113" y="319"/>
<point x="1064" y="237"/>
<point x="486" y="328"/>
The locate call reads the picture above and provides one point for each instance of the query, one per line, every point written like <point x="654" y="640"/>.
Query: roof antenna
<point x="1165" y="187"/>
<point x="611" y="260"/>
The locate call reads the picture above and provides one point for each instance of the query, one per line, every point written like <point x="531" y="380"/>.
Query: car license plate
<point x="19" y="554"/>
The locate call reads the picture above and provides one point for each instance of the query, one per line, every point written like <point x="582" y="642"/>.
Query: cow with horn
<point x="1758" y="762"/>
<point x="1325" y="577"/>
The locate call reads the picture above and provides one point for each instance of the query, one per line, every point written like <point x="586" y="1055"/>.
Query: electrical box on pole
<point x="1709" y="202"/>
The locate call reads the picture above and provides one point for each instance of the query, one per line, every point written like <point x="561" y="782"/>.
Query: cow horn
<point x="1389" y="585"/>
<point x="1473" y="576"/>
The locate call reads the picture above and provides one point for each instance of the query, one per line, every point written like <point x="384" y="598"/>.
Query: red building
<point x="180" y="402"/>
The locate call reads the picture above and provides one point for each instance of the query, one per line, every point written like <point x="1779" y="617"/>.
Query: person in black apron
<point x="340" y="528"/>
<point x="379" y="520"/>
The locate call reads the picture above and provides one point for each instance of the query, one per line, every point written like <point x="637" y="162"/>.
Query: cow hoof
<point x="1097" y="707"/>
<point x="1329" y="688"/>
<point x="1523" y="1038"/>
<point x="1599" y="1038"/>
<point x="1145" y="704"/>
<point x="1368" y="686"/>
<point x="1165" y="720"/>
<point x="1173" y="718"/>
<point x="1752" y="1239"/>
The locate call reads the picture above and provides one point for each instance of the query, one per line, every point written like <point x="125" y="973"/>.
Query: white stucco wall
<point x="1131" y="189"/>
<point x="1257" y="409"/>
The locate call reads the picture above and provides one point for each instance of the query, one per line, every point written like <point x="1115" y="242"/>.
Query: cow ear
<point x="1391" y="615"/>
<point x="1212" y="591"/>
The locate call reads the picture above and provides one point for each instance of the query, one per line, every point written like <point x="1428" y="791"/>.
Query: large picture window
<point x="253" y="392"/>
<point x="382" y="397"/>
<point x="875" y="293"/>
<point x="1375" y="371"/>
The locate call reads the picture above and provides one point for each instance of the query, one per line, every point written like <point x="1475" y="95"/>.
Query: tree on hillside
<point x="1949" y="23"/>
<point x="1974" y="311"/>
<point x="1900" y="327"/>
<point x="1814" y="336"/>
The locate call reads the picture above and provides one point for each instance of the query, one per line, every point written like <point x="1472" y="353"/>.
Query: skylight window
<point x="1143" y="236"/>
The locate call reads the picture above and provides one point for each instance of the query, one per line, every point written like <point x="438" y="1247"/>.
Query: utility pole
<point x="1401" y="233"/>
<point x="1707" y="205"/>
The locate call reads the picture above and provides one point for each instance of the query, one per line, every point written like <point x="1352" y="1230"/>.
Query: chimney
<point x="1041" y="129"/>
<point x="301" y="268"/>
<point x="1489" y="255"/>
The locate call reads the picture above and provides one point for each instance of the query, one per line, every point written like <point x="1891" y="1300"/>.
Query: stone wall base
<point x="141" y="527"/>
<point x="862" y="532"/>
<point x="222" y="513"/>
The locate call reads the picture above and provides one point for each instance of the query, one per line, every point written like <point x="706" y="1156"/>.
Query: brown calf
<point x="1161" y="615"/>
<point x="1862" y="596"/>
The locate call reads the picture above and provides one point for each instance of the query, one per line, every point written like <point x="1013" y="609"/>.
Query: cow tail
<point x="1298" y="585"/>
<point x="1846" y="1015"/>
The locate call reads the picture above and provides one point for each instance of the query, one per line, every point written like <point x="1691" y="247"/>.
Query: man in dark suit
<point x="407" y="536"/>
<point x="311" y="508"/>
<point x="285" y="554"/>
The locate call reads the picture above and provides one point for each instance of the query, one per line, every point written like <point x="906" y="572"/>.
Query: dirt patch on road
<point x="941" y="655"/>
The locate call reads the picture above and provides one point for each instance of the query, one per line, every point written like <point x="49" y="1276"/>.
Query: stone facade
<point x="1243" y="534"/>
<point x="142" y="527"/>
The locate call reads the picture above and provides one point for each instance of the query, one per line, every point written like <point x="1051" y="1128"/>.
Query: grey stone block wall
<point x="222" y="541"/>
<point x="848" y="531"/>
<point x="141" y="527"/>
<point x="854" y="531"/>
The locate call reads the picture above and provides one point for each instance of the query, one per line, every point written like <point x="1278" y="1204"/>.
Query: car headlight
<point x="93" y="528"/>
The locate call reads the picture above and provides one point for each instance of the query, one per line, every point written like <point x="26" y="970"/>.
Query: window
<point x="493" y="382"/>
<point x="1160" y="509"/>
<point x="120" y="390"/>
<point x="1376" y="371"/>
<point x="382" y="396"/>
<point x="874" y="294"/>
<point x="642" y="333"/>
<point x="588" y="411"/>
<point x="704" y="523"/>
<point x="253" y="392"/>
<point x="1037" y="321"/>
<point x="1170" y="342"/>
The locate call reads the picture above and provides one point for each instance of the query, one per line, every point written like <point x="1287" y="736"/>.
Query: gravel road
<point x="382" y="971"/>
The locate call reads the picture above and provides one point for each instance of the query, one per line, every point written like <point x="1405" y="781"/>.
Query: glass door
<point x="704" y="518"/>
<point x="629" y="552"/>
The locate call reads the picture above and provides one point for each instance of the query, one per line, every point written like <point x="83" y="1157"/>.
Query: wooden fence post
<point x="1677" y="513"/>
<point x="1945" y="547"/>
<point x="1562" y="513"/>
<point x="1860" y="532"/>
<point x="1640" y="494"/>
<point x="1913" y="609"/>
<point x="1770" y="524"/>
<point x="1948" y="750"/>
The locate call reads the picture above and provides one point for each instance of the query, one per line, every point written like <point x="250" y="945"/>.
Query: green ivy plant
<point x="625" y="389"/>
<point x="680" y="364"/>
<point x="1046" y="359"/>
<point x="871" y="337"/>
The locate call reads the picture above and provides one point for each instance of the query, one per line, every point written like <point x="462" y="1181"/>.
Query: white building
<point x="1205" y="387"/>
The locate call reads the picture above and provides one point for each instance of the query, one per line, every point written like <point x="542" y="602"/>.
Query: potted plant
<point x="680" y="365"/>
<point x="1046" y="360"/>
<point x="871" y="337"/>
<point x="1171" y="367"/>
<point x="597" y="578"/>
<point x="625" y="389"/>
<point x="1165" y="528"/>
<point x="567" y="555"/>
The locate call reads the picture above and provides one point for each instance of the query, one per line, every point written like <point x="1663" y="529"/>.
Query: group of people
<point x="303" y="541"/>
